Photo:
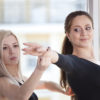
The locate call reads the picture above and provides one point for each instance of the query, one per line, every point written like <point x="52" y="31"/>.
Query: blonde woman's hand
<point x="44" y="61"/>
<point x="69" y="92"/>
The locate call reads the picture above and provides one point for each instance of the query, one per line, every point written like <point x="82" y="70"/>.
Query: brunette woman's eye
<point x="88" y="28"/>
<point x="77" y="29"/>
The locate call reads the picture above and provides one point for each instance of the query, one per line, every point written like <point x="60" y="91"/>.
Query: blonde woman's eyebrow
<point x="5" y="44"/>
<point x="15" y="43"/>
<point x="12" y="43"/>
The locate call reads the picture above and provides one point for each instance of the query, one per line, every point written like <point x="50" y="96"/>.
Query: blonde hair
<point x="3" y="70"/>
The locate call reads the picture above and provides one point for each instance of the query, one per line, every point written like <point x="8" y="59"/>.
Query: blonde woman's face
<point x="10" y="50"/>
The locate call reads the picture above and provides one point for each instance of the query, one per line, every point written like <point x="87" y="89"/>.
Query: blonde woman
<point x="13" y="85"/>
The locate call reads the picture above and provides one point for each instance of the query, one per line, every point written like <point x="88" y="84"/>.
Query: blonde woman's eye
<point x="16" y="46"/>
<point x="4" y="48"/>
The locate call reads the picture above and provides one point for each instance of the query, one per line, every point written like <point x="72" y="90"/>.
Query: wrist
<point x="39" y="70"/>
<point x="54" y="57"/>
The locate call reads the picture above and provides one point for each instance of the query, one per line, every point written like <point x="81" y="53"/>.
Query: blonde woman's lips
<point x="13" y="58"/>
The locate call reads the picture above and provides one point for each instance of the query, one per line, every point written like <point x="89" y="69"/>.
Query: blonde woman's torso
<point x="5" y="98"/>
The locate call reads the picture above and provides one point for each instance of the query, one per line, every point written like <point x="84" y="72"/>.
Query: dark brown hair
<point x="67" y="47"/>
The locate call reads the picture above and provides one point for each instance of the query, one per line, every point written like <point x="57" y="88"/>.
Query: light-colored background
<point x="42" y="21"/>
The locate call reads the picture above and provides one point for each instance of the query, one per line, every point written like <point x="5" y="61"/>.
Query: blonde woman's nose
<point x="11" y="50"/>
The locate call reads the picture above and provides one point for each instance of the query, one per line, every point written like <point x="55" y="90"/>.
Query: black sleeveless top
<point x="33" y="96"/>
<point x="83" y="76"/>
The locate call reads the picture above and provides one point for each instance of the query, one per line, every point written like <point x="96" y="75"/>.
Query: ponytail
<point x="67" y="48"/>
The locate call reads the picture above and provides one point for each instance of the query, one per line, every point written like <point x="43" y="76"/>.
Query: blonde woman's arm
<point x="52" y="86"/>
<point x="23" y="92"/>
<point x="38" y="50"/>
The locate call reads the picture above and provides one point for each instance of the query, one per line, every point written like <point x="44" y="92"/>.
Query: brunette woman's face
<point x="81" y="32"/>
<point x="10" y="50"/>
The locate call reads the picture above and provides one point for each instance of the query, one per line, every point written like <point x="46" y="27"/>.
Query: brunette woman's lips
<point x="13" y="58"/>
<point x="83" y="39"/>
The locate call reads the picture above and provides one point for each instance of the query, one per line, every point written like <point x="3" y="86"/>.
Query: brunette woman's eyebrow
<point x="87" y="25"/>
<point x="76" y="26"/>
<point x="79" y="25"/>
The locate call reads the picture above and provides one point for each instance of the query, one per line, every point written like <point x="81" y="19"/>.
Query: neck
<point x="86" y="53"/>
<point x="13" y="70"/>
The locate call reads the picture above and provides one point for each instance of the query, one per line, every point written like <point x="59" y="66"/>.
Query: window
<point x="38" y="11"/>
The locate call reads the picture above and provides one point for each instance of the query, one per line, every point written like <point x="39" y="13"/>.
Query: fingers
<point x="47" y="53"/>
<point x="42" y="49"/>
<point x="69" y="92"/>
<point x="48" y="49"/>
<point x="27" y="49"/>
<point x="34" y="52"/>
<point x="43" y="63"/>
<point x="34" y="49"/>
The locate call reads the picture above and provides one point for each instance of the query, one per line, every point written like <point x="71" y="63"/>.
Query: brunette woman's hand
<point x="34" y="49"/>
<point x="38" y="50"/>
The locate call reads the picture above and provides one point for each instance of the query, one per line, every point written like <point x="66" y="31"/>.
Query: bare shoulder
<point x="5" y="82"/>
<point x="6" y="86"/>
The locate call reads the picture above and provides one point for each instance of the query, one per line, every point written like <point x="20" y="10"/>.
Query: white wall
<point x="94" y="10"/>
